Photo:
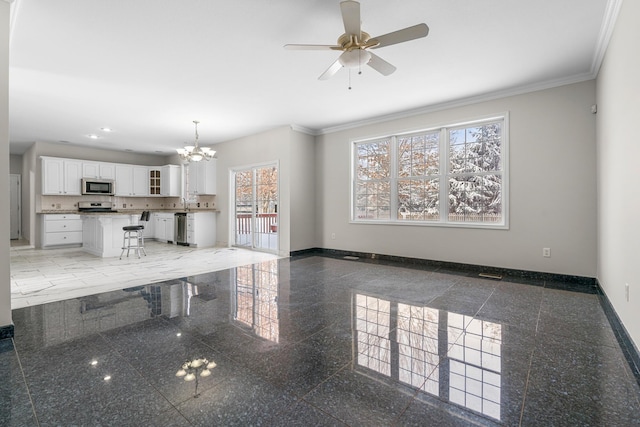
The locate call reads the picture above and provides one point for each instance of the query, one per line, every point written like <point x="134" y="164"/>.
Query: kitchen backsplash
<point x="67" y="203"/>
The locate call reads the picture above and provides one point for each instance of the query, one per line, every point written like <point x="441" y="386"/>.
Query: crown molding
<point x="606" y="31"/>
<point x="302" y="129"/>
<point x="520" y="90"/>
<point x="14" y="6"/>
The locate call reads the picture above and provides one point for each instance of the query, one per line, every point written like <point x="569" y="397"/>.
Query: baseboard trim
<point x="631" y="353"/>
<point x="584" y="284"/>
<point x="6" y="332"/>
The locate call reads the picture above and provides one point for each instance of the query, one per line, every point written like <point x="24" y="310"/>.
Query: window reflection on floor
<point x="256" y="298"/>
<point x="443" y="354"/>
<point x="475" y="365"/>
<point x="372" y="325"/>
<point x="418" y="347"/>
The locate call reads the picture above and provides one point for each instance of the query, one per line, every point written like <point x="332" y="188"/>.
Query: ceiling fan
<point x="355" y="43"/>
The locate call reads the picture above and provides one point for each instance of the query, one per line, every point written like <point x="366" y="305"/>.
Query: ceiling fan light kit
<point x="355" y="43"/>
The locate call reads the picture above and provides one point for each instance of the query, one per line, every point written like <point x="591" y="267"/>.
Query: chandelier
<point x="195" y="153"/>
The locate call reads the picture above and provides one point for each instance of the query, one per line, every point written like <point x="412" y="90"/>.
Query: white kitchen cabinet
<point x="72" y="177"/>
<point x="98" y="170"/>
<point x="170" y="181"/>
<point x="124" y="180"/>
<point x="155" y="181"/>
<point x="140" y="181"/>
<point x="61" y="176"/>
<point x="201" y="229"/>
<point x="132" y="180"/>
<point x="61" y="229"/>
<point x="164" y="226"/>
<point x="202" y="177"/>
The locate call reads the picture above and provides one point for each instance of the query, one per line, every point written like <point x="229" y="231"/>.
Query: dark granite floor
<point x="320" y="341"/>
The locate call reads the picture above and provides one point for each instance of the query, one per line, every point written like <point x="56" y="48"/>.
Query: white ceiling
<point x="148" y="68"/>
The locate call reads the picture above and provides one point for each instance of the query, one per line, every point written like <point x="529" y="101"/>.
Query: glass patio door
<point x="256" y="208"/>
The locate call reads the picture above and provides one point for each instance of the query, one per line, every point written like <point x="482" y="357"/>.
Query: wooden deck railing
<point x="265" y="223"/>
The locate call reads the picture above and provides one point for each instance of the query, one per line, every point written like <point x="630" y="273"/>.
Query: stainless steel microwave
<point x="105" y="187"/>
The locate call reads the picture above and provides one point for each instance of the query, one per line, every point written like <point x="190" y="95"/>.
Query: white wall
<point x="618" y="90"/>
<point x="5" y="282"/>
<point x="552" y="189"/>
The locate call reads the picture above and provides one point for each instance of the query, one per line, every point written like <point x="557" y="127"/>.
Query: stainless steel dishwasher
<point x="181" y="229"/>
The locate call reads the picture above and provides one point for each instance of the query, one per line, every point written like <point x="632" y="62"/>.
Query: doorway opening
<point x="256" y="208"/>
<point x="15" y="206"/>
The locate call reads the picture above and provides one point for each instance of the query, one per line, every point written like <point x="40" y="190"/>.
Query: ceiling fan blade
<point x="333" y="68"/>
<point x="400" y="36"/>
<point x="380" y="65"/>
<point x="351" y="17"/>
<point x="312" y="47"/>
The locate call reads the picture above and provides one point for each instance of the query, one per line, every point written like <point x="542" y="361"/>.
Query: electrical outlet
<point x="546" y="252"/>
<point x="333" y="236"/>
<point x="626" y="291"/>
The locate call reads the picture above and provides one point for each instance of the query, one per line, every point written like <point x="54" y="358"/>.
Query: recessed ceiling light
<point x="105" y="129"/>
<point x="107" y="378"/>
<point x="92" y="136"/>
<point x="94" y="362"/>
<point x="64" y="142"/>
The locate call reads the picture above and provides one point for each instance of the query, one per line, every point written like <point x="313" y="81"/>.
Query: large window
<point x="451" y="175"/>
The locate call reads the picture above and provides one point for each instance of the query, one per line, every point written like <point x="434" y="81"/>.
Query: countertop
<point x="124" y="211"/>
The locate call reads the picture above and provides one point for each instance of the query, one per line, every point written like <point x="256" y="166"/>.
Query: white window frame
<point x="443" y="175"/>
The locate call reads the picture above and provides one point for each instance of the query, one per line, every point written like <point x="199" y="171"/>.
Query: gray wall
<point x="266" y="147"/>
<point x="15" y="164"/>
<point x="552" y="189"/>
<point x="303" y="183"/>
<point x="618" y="170"/>
<point x="294" y="153"/>
<point x="5" y="282"/>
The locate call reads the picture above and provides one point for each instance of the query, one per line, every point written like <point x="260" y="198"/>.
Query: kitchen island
<point x="102" y="232"/>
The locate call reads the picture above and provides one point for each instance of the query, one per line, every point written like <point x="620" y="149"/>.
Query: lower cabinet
<point x="163" y="226"/>
<point x="201" y="229"/>
<point x="61" y="229"/>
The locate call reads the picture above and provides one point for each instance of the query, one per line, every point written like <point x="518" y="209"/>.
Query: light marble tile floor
<point x="39" y="276"/>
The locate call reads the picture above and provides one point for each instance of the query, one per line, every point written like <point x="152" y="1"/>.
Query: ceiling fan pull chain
<point x="349" y="78"/>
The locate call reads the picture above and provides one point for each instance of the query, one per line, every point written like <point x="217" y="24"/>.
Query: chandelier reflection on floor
<point x="192" y="369"/>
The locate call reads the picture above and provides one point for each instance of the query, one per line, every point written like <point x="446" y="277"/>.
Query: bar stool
<point x="133" y="238"/>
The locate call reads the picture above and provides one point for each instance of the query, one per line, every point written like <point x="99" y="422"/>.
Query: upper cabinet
<point x="132" y="181"/>
<point x="202" y="177"/>
<point x="61" y="176"/>
<point x="170" y="181"/>
<point x="98" y="170"/>
<point x="155" y="181"/>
